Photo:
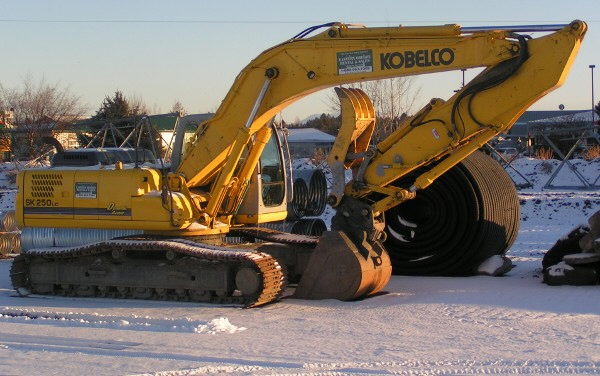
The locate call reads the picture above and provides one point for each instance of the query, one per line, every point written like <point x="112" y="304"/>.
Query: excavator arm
<point x="518" y="72"/>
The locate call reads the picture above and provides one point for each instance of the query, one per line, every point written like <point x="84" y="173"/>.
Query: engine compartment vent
<point x="42" y="184"/>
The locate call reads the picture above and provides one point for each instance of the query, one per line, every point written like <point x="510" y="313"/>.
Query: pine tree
<point x="113" y="108"/>
<point x="126" y="115"/>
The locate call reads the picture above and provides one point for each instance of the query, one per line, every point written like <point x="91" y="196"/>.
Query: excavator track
<point x="174" y="269"/>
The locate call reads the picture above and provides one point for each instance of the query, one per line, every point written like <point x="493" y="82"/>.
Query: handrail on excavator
<point x="513" y="28"/>
<point x="463" y="30"/>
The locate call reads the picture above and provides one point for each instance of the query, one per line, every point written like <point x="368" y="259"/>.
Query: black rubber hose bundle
<point x="466" y="216"/>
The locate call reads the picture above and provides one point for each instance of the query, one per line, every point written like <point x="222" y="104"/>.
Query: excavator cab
<point x="268" y="192"/>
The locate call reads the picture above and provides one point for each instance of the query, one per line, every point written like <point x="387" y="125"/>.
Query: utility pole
<point x="592" y="66"/>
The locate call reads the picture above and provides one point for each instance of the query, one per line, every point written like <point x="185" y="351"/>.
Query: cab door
<point x="266" y="197"/>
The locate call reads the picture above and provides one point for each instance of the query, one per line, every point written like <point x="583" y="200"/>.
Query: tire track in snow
<point x="534" y="324"/>
<point x="9" y="339"/>
<point x="133" y="322"/>
<point x="408" y="367"/>
<point x="501" y="314"/>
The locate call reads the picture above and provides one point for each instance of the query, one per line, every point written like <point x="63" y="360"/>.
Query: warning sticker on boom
<point x="86" y="190"/>
<point x="355" y="62"/>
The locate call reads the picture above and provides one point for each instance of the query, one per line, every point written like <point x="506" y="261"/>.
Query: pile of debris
<point x="575" y="258"/>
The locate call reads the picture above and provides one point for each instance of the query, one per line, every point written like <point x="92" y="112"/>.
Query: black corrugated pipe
<point x="316" y="183"/>
<point x="306" y="226"/>
<point x="309" y="226"/>
<point x="299" y="204"/>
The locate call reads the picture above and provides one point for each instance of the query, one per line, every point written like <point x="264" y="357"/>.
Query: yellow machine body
<point x="104" y="199"/>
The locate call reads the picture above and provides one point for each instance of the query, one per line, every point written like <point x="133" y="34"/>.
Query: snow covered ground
<point x="422" y="325"/>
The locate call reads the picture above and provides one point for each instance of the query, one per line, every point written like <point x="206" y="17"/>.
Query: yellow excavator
<point x="194" y="232"/>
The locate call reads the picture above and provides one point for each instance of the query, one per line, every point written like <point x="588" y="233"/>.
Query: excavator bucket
<point x="338" y="269"/>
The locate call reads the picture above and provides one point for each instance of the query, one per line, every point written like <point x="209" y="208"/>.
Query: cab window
<point x="271" y="174"/>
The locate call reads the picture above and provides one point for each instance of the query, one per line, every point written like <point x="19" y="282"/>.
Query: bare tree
<point x="33" y="101"/>
<point x="393" y="99"/>
<point x="178" y="107"/>
<point x="137" y="105"/>
<point x="39" y="107"/>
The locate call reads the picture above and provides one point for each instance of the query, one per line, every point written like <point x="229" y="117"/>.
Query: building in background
<point x="525" y="136"/>
<point x="305" y="142"/>
<point x="165" y="125"/>
<point x="564" y="131"/>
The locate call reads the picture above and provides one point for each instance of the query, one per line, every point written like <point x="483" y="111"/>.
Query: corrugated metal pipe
<point x="8" y="221"/>
<point x="10" y="243"/>
<point x="10" y="236"/>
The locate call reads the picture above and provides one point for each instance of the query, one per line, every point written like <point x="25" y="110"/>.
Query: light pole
<point x="463" y="80"/>
<point x="592" y="66"/>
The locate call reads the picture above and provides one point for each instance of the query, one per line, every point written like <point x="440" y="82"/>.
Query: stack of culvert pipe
<point x="8" y="222"/>
<point x="310" y="194"/>
<point x="309" y="200"/>
<point x="309" y="226"/>
<point x="10" y="236"/>
<point x="299" y="204"/>
<point x="10" y="243"/>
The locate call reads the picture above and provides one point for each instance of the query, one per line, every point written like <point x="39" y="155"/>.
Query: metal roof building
<point x="520" y="129"/>
<point x="304" y="142"/>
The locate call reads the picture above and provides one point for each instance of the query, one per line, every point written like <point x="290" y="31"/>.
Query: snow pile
<point x="552" y="207"/>
<point x="219" y="325"/>
<point x="495" y="266"/>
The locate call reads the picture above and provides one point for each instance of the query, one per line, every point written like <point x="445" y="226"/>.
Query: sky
<point x="191" y="51"/>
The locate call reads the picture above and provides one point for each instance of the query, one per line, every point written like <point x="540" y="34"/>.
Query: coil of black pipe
<point x="318" y="193"/>
<point x="299" y="204"/>
<point x="309" y="226"/>
<point x="467" y="215"/>
<point x="310" y="194"/>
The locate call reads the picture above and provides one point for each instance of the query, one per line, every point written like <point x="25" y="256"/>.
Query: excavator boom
<point x="519" y="71"/>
